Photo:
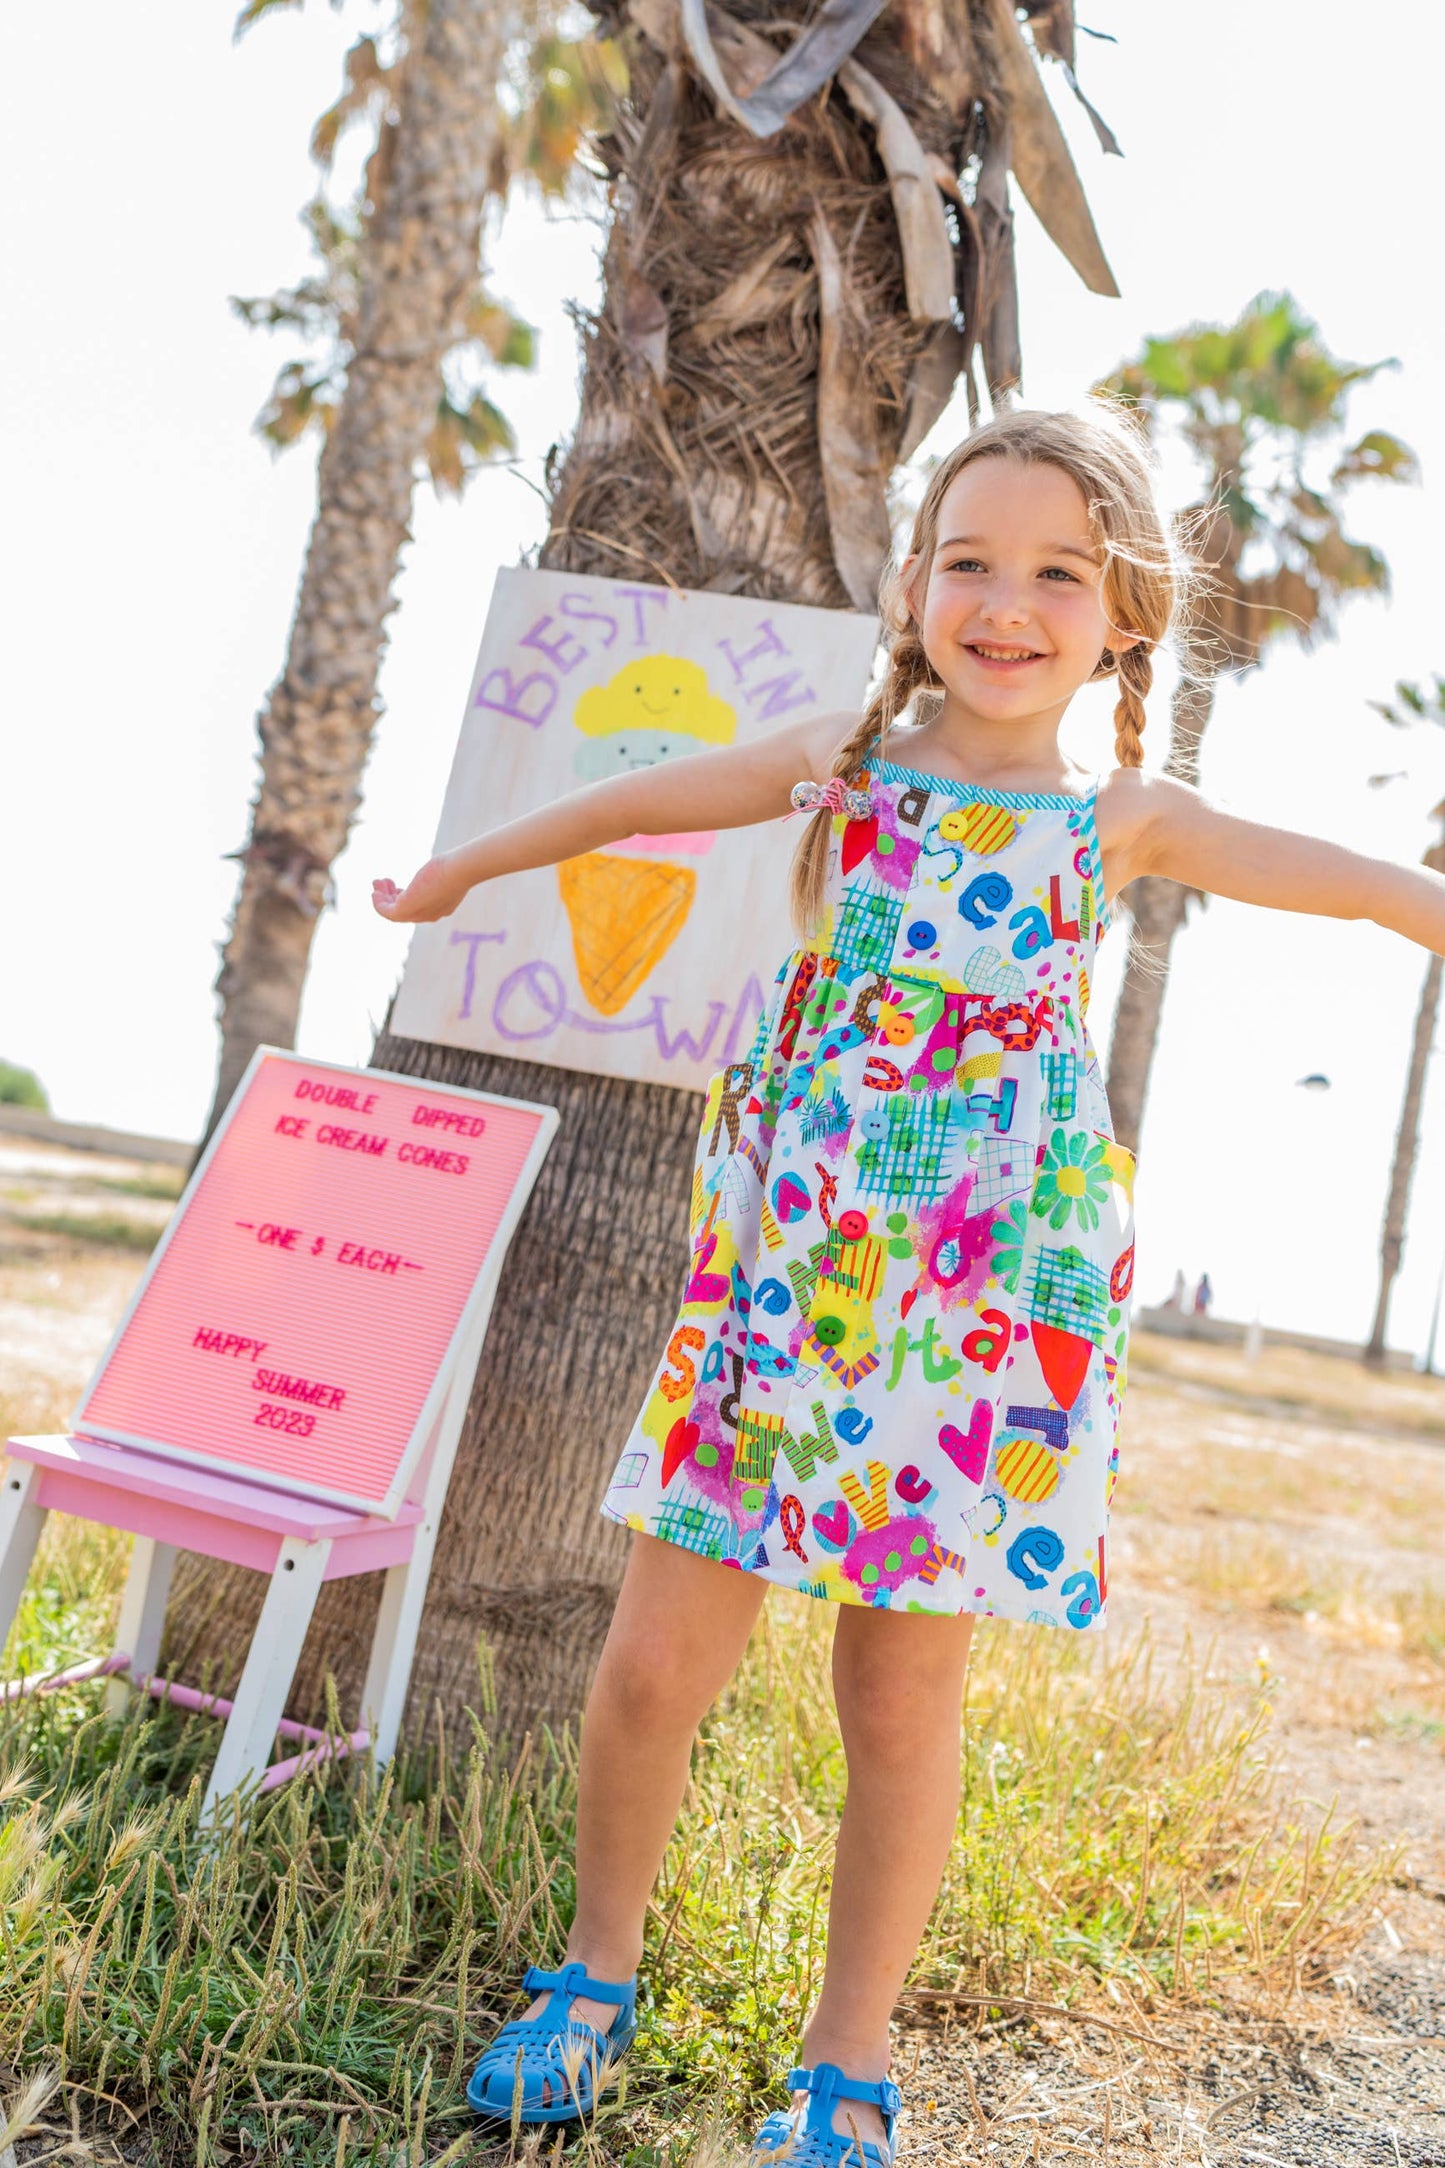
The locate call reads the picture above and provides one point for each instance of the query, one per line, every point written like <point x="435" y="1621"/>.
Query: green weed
<point x="166" y="1186"/>
<point x="1421" y="1616"/>
<point x="111" y="1228"/>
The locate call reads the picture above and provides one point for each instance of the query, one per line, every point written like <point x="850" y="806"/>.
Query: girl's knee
<point x="892" y="1697"/>
<point x="653" y="1678"/>
<point x="892" y="1722"/>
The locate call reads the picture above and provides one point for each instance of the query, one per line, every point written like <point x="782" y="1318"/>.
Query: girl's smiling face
<point x="1010" y="605"/>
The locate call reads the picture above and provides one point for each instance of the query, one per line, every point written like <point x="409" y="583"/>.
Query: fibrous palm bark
<point x="427" y="184"/>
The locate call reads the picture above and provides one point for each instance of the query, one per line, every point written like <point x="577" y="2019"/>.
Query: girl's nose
<point x="1004" y="605"/>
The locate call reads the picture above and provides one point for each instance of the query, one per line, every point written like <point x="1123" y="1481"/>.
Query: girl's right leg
<point x="676" y="1637"/>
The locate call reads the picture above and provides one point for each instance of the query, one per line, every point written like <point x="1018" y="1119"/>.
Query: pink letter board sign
<point x="296" y="1321"/>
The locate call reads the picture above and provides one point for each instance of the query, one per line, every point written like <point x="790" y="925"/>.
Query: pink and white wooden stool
<point x="287" y="1389"/>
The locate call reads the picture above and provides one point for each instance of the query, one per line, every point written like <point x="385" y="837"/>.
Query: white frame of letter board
<point x="470" y="1326"/>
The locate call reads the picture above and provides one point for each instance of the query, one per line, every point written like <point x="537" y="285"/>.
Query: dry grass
<point x="1298" y="1379"/>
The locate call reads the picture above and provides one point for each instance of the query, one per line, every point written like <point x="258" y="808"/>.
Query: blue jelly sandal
<point x="813" y="2142"/>
<point x="546" y="2069"/>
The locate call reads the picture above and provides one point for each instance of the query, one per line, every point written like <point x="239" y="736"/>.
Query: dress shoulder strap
<point x="1091" y="845"/>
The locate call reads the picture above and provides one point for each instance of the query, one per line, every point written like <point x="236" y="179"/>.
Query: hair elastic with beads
<point x="835" y="795"/>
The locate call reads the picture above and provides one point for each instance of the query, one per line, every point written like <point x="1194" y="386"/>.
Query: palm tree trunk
<point x="428" y="182"/>
<point x="1407" y="1138"/>
<point x="1157" y="909"/>
<point x="707" y="408"/>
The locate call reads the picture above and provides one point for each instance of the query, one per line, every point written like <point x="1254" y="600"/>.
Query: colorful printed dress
<point x="897" y="1372"/>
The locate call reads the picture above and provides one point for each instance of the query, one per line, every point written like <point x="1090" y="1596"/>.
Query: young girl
<point x="896" y="1377"/>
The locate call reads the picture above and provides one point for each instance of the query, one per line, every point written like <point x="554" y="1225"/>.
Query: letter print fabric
<point x="897" y="1371"/>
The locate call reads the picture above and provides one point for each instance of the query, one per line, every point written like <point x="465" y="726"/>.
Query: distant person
<point x="894" y="1382"/>
<point x="1203" y="1296"/>
<point x="1175" y="1298"/>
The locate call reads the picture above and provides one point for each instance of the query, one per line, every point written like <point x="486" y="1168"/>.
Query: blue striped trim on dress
<point x="1096" y="861"/>
<point x="893" y="771"/>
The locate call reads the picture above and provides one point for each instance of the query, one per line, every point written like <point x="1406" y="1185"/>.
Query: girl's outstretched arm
<point x="731" y="788"/>
<point x="1153" y="824"/>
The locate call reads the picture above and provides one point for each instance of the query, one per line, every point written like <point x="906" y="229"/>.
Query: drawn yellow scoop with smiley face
<point x="627" y="905"/>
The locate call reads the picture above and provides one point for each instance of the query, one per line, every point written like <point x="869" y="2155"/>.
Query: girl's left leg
<point x="898" y="1678"/>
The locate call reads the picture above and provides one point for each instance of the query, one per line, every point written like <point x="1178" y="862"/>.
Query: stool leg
<point x="271" y="1662"/>
<point x="142" y="1614"/>
<point x="21" y="1522"/>
<point x="393" y="1645"/>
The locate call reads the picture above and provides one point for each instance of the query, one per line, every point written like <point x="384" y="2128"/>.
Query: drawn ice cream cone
<point x="625" y="915"/>
<point x="628" y="905"/>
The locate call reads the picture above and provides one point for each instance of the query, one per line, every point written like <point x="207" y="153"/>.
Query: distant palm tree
<point x="1411" y="704"/>
<point x="401" y="338"/>
<point x="1253" y="401"/>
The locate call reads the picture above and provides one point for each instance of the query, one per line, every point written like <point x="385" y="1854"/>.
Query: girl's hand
<point x="433" y="893"/>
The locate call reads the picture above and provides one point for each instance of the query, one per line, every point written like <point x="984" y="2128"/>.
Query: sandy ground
<point x="1287" y="1521"/>
<point x="1284" y="1521"/>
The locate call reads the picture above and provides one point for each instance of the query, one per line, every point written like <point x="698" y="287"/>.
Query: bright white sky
<point x="152" y="550"/>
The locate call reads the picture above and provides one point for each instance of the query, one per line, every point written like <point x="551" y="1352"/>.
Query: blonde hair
<point x="1144" y="579"/>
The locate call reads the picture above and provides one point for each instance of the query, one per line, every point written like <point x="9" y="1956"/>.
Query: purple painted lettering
<point x="469" y="977"/>
<point x="544" y="985"/>
<point x="564" y="648"/>
<point x="499" y="692"/>
<point x="767" y="643"/>
<point x="639" y="597"/>
<point x="779" y="695"/>
<point x="541" y="985"/>
<point x="575" y="606"/>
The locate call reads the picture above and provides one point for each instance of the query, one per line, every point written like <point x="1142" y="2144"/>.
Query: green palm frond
<point x="1253" y="400"/>
<point x="1413" y="704"/>
<point x="462" y="438"/>
<point x="511" y="343"/>
<point x="567" y="90"/>
<point x="303" y="398"/>
<point x="1377" y="457"/>
<point x="255" y="9"/>
<point x="366" y="91"/>
<point x="322" y="311"/>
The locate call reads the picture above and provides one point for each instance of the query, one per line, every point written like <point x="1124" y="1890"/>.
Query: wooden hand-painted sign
<point x="645" y="959"/>
<point x="338" y="1243"/>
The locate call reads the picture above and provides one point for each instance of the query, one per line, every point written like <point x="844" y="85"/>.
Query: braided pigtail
<point x="909" y="672"/>
<point x="1136" y="675"/>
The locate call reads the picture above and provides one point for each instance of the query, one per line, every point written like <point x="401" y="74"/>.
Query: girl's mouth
<point x="996" y="655"/>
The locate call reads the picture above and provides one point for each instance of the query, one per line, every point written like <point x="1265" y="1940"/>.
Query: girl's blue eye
<point x="1062" y="573"/>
